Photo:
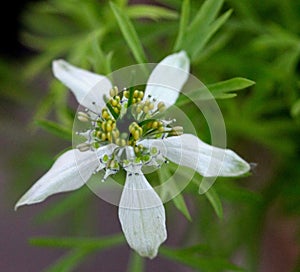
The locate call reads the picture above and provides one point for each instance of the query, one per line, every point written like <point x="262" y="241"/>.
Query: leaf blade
<point x="129" y="34"/>
<point x="234" y="84"/>
<point x="151" y="12"/>
<point x="181" y="206"/>
<point x="215" y="202"/>
<point x="203" y="263"/>
<point x="55" y="129"/>
<point x="136" y="263"/>
<point x="220" y="90"/>
<point x="184" y="19"/>
<point x="71" y="242"/>
<point x="69" y="261"/>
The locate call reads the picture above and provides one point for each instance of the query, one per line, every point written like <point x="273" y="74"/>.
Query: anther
<point x="103" y="136"/>
<point x="136" y="135"/>
<point x="146" y="109"/>
<point x="83" y="147"/>
<point x="114" y="102"/>
<point x="105" y="113"/>
<point x="108" y="127"/>
<point x="114" y="91"/>
<point x="161" y="129"/>
<point x="161" y="106"/>
<point x="126" y="93"/>
<point x="154" y="124"/>
<point x="176" y="131"/>
<point x="151" y="106"/>
<point x="141" y="94"/>
<point x="123" y="142"/>
<point x="138" y="109"/>
<point x="83" y="117"/>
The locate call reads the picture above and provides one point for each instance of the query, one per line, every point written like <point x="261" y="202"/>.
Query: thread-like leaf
<point x="129" y="34"/>
<point x="71" y="242"/>
<point x="151" y="12"/>
<point x="136" y="263"/>
<point x="215" y="201"/>
<point x="220" y="90"/>
<point x="55" y="128"/>
<point x="184" y="20"/>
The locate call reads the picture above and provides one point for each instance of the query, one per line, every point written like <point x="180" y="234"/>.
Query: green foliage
<point x="184" y="20"/>
<point x="55" y="128"/>
<point x="129" y="34"/>
<point x="88" y="243"/>
<point x="136" y="263"/>
<point x="79" y="249"/>
<point x="58" y="210"/>
<point x="225" y="89"/>
<point x="202" y="27"/>
<point x="215" y="201"/>
<point x="69" y="261"/>
<point x="251" y="56"/>
<point x="179" y="202"/>
<point x="295" y="110"/>
<point x="192" y="258"/>
<point x="221" y="90"/>
<point x="150" y="12"/>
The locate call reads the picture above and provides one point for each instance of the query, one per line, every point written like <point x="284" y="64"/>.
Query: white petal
<point x="209" y="161"/>
<point x="168" y="77"/>
<point x="142" y="216"/>
<point x="87" y="87"/>
<point x="69" y="172"/>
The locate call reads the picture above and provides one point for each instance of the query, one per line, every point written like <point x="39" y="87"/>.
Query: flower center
<point x="127" y="119"/>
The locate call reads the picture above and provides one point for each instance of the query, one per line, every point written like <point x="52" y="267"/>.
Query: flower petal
<point x="142" y="215"/>
<point x="209" y="161"/>
<point x="69" y="172"/>
<point x="87" y="87"/>
<point x="168" y="77"/>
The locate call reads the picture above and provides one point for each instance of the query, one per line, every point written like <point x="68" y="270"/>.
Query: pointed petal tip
<point x="16" y="207"/>
<point x="58" y="61"/>
<point x="25" y="200"/>
<point x="168" y="78"/>
<point x="19" y="204"/>
<point x="142" y="216"/>
<point x="209" y="161"/>
<point x="179" y="60"/>
<point x="184" y="60"/>
<point x="238" y="164"/>
<point x="57" y="65"/>
<point x="183" y="54"/>
<point x="82" y="83"/>
<point x="150" y="251"/>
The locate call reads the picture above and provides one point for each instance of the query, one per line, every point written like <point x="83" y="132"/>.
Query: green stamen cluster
<point x="137" y="96"/>
<point x="126" y="119"/>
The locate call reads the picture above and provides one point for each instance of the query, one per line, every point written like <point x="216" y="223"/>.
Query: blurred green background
<point x="244" y="224"/>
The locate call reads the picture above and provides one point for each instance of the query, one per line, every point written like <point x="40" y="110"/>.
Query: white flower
<point x="127" y="133"/>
